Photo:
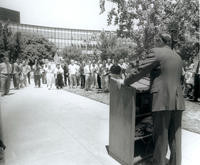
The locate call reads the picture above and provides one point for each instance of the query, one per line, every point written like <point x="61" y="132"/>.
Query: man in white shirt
<point x="109" y="64"/>
<point x="5" y="71"/>
<point x="25" y="70"/>
<point x="88" y="75"/>
<point x="123" y="67"/>
<point x="72" y="74"/>
<point x="16" y="73"/>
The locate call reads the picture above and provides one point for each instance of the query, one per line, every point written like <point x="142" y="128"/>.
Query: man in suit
<point x="165" y="68"/>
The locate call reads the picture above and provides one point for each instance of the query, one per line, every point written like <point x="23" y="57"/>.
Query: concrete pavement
<point x="54" y="127"/>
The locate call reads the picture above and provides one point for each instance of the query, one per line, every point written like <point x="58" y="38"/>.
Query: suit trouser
<point x="5" y="84"/>
<point x="167" y="130"/>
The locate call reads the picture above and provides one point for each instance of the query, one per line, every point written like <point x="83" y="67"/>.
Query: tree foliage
<point x="24" y="45"/>
<point x="5" y="39"/>
<point x="33" y="47"/>
<point x="142" y="20"/>
<point x="71" y="52"/>
<point x="106" y="44"/>
<point x="112" y="46"/>
<point x="15" y="47"/>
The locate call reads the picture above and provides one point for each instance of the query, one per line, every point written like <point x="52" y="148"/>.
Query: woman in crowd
<point x="59" y="72"/>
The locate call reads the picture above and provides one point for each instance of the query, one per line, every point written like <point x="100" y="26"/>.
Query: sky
<point x="78" y="14"/>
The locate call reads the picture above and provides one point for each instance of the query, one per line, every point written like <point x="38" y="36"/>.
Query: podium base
<point x="138" y="160"/>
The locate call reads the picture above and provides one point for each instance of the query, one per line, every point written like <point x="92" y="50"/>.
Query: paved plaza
<point x="54" y="127"/>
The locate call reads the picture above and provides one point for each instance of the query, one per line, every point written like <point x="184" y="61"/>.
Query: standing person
<point x="189" y="83"/>
<point x="99" y="74"/>
<point x="16" y="73"/>
<point x="77" y="73"/>
<point x="44" y="74"/>
<point x="196" y="72"/>
<point x="59" y="76"/>
<point x="94" y="75"/>
<point x="23" y="76"/>
<point x="5" y="72"/>
<point x="165" y="68"/>
<point x="53" y="67"/>
<point x="104" y="77"/>
<point x="109" y="64"/>
<point x="37" y="74"/>
<point x="29" y="73"/>
<point x="66" y="74"/>
<point x="72" y="74"/>
<point x="123" y="67"/>
<point x="50" y="76"/>
<point x="25" y="70"/>
<point x="115" y="70"/>
<point x="82" y="75"/>
<point x="88" y="75"/>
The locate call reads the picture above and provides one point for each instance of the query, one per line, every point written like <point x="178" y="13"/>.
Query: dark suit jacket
<point x="165" y="68"/>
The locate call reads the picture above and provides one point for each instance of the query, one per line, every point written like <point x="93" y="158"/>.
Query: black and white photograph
<point x="99" y="82"/>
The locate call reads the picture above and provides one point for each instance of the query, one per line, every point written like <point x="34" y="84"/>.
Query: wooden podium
<point x="128" y="105"/>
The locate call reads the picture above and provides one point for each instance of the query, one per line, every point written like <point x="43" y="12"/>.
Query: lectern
<point x="128" y="106"/>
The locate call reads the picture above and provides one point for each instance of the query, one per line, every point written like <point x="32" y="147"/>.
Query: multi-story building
<point x="62" y="37"/>
<point x="87" y="40"/>
<point x="9" y="15"/>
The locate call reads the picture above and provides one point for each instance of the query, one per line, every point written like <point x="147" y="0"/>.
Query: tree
<point x="106" y="44"/>
<point x="5" y="39"/>
<point x="34" y="47"/>
<point x="143" y="20"/>
<point x="15" y="47"/>
<point x="71" y="52"/>
<point x="124" y="49"/>
<point x="112" y="46"/>
<point x="24" y="45"/>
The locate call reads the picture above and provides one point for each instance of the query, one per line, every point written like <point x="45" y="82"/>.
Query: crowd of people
<point x="86" y="74"/>
<point x="18" y="71"/>
<point x="191" y="80"/>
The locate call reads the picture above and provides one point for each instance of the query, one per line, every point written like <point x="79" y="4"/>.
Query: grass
<point x="191" y="116"/>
